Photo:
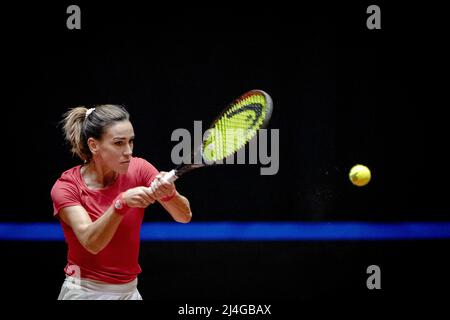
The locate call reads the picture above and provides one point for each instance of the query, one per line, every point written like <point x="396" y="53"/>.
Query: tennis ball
<point x="359" y="175"/>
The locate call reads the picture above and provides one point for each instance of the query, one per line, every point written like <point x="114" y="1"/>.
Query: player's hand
<point x="139" y="197"/>
<point x="160" y="187"/>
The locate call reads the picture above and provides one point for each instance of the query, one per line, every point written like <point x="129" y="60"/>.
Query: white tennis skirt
<point x="83" y="289"/>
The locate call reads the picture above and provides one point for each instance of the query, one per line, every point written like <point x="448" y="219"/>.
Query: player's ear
<point x="93" y="145"/>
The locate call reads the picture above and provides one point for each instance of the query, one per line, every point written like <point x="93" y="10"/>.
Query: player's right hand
<point x="139" y="197"/>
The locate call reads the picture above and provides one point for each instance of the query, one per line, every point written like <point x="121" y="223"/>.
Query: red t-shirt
<point x="118" y="261"/>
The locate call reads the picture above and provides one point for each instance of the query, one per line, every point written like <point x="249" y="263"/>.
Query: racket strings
<point x="238" y="125"/>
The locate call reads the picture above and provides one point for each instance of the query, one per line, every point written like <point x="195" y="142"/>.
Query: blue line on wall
<point x="250" y="231"/>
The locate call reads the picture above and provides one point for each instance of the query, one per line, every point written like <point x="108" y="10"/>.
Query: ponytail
<point x="81" y="123"/>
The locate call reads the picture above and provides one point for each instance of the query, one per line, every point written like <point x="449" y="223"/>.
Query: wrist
<point x="120" y="205"/>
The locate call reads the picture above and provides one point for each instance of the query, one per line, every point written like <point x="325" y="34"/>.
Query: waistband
<point x="96" y="286"/>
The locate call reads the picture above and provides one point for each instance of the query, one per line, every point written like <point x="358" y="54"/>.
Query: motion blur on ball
<point x="359" y="175"/>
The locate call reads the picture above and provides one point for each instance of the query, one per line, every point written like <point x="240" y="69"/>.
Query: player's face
<point x="116" y="146"/>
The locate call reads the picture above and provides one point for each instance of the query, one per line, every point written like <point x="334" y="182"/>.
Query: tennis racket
<point x="238" y="123"/>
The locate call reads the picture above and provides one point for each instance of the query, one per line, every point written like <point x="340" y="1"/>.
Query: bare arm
<point x="178" y="206"/>
<point x="95" y="236"/>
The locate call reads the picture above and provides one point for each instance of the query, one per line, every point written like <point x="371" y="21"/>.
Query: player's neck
<point x="97" y="177"/>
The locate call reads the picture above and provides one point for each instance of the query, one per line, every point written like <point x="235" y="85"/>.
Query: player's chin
<point x="123" y="167"/>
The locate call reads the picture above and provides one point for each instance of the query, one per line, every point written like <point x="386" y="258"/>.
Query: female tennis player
<point x="101" y="204"/>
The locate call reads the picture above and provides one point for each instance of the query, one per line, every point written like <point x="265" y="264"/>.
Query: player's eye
<point x="118" y="143"/>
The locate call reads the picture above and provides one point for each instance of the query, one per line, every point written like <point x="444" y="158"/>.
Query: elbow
<point x="186" y="218"/>
<point x="89" y="242"/>
<point x="92" y="249"/>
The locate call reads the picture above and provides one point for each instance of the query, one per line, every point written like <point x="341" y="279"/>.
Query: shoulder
<point x="143" y="171"/>
<point x="68" y="181"/>
<point x="66" y="191"/>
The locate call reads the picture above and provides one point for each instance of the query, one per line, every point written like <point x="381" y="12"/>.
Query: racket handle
<point x="171" y="176"/>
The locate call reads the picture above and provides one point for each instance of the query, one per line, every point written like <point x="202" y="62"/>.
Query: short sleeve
<point x="64" y="194"/>
<point x="146" y="172"/>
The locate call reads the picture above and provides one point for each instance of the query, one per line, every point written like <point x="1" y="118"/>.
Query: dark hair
<point x="78" y="128"/>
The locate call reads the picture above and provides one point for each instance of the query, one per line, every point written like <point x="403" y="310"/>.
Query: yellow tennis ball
<point x="359" y="175"/>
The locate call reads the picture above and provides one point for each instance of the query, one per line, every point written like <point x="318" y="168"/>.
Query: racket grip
<point x="171" y="176"/>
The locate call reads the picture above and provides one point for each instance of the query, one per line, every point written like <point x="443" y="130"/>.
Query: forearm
<point x="179" y="208"/>
<point x="99" y="233"/>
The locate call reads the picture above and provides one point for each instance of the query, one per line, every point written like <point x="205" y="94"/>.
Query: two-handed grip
<point x="170" y="177"/>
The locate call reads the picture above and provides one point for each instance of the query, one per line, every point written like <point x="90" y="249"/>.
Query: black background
<point x="342" y="95"/>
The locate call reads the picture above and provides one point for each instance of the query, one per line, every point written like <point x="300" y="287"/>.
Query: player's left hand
<point x="161" y="188"/>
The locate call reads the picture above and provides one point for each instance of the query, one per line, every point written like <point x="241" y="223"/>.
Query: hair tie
<point x="89" y="112"/>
